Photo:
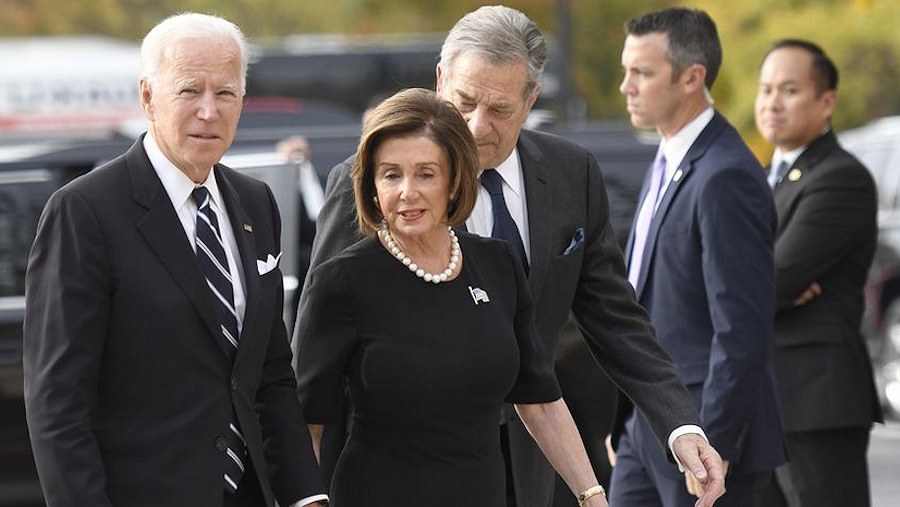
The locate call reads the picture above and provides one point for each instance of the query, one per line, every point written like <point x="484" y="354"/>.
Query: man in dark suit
<point x="827" y="208"/>
<point x="700" y="258"/>
<point x="157" y="367"/>
<point x="490" y="68"/>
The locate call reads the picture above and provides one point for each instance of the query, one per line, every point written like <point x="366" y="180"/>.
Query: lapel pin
<point x="677" y="176"/>
<point x="795" y="174"/>
<point x="248" y="227"/>
<point x="478" y="295"/>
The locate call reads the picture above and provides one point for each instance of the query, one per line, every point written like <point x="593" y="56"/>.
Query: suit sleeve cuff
<point x="683" y="430"/>
<point x="309" y="500"/>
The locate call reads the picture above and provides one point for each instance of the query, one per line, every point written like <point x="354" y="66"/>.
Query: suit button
<point x="234" y="384"/>
<point x="221" y="444"/>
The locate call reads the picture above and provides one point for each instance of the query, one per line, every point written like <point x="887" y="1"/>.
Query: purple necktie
<point x="645" y="216"/>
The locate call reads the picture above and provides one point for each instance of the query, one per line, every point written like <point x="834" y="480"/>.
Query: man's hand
<point x="704" y="469"/>
<point x="809" y="294"/>
<point x="610" y="452"/>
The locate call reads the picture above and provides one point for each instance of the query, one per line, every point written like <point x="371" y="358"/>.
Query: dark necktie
<point x="214" y="265"/>
<point x="777" y="173"/>
<point x="504" y="225"/>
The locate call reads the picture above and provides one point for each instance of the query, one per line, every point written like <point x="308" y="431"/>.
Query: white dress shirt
<point x="179" y="187"/>
<point x="481" y="221"/>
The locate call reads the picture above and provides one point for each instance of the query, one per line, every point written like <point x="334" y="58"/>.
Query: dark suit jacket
<point x="127" y="382"/>
<point x="565" y="194"/>
<point x="707" y="281"/>
<point x="827" y="229"/>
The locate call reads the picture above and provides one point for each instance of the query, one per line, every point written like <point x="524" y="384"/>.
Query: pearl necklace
<point x="407" y="261"/>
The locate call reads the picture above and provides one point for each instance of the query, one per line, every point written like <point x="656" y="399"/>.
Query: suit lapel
<point x="788" y="189"/>
<point x="164" y="233"/>
<point x="539" y="203"/>
<point x="679" y="177"/>
<point x="248" y="255"/>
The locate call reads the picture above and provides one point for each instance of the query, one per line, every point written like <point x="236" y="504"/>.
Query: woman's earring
<point x="375" y="199"/>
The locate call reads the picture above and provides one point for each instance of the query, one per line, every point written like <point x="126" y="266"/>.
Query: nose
<point x="408" y="188"/>
<point x="479" y="123"/>
<point x="207" y="108"/>
<point x="625" y="85"/>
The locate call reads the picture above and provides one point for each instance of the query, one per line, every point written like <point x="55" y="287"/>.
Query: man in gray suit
<point x="553" y="191"/>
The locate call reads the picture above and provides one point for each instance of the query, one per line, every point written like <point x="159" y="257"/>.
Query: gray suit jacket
<point x="576" y="267"/>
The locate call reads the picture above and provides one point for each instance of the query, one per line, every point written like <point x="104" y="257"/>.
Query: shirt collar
<point x="792" y="156"/>
<point x="177" y="184"/>
<point x="677" y="146"/>
<point x="510" y="171"/>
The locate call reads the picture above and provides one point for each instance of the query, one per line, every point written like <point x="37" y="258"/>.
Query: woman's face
<point x="412" y="181"/>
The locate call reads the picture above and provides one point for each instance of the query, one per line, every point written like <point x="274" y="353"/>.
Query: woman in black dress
<point x="432" y="329"/>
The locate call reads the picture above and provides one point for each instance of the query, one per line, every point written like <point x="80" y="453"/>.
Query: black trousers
<point x="643" y="477"/>
<point x="827" y="468"/>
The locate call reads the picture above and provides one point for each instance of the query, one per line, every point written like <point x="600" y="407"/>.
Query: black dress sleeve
<point x="536" y="382"/>
<point x="326" y="337"/>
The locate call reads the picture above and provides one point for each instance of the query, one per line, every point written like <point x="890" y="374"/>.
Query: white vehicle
<point x="67" y="85"/>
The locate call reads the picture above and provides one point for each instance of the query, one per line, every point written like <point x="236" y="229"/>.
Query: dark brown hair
<point x="416" y="111"/>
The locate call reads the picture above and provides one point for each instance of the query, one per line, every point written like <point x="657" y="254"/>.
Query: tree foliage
<point x="859" y="34"/>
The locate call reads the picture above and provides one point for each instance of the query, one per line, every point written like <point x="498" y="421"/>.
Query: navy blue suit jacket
<point x="707" y="280"/>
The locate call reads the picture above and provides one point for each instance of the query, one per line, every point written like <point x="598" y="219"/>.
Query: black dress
<point x="428" y="369"/>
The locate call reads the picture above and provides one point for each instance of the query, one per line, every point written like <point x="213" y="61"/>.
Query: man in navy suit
<point x="827" y="227"/>
<point x="149" y="379"/>
<point x="700" y="258"/>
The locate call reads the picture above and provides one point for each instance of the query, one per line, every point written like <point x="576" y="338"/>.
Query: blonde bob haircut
<point x="416" y="112"/>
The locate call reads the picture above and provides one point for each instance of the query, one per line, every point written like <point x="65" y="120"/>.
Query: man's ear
<point x="831" y="98"/>
<point x="534" y="95"/>
<point x="438" y="73"/>
<point x="694" y="78"/>
<point x="146" y="92"/>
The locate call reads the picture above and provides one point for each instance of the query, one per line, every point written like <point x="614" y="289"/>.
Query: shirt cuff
<point x="309" y="500"/>
<point x="683" y="430"/>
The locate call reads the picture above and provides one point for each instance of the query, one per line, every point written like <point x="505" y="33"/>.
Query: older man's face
<point x="492" y="100"/>
<point x="195" y="103"/>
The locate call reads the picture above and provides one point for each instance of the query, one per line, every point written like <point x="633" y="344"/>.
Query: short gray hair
<point x="186" y="25"/>
<point x="501" y="35"/>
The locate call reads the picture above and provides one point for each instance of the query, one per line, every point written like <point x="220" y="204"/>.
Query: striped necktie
<point x="214" y="265"/>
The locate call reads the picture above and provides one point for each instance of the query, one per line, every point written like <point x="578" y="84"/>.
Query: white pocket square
<point x="264" y="266"/>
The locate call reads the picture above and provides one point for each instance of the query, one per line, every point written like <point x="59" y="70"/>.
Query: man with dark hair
<point x="827" y="209"/>
<point x="549" y="194"/>
<point x="700" y="259"/>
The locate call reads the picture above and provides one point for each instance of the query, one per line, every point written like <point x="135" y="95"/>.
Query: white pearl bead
<point x="434" y="278"/>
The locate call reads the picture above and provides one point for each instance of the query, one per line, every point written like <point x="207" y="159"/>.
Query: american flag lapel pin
<point x="478" y="295"/>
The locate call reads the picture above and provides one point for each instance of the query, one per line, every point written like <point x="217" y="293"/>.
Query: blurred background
<point x="69" y="102"/>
